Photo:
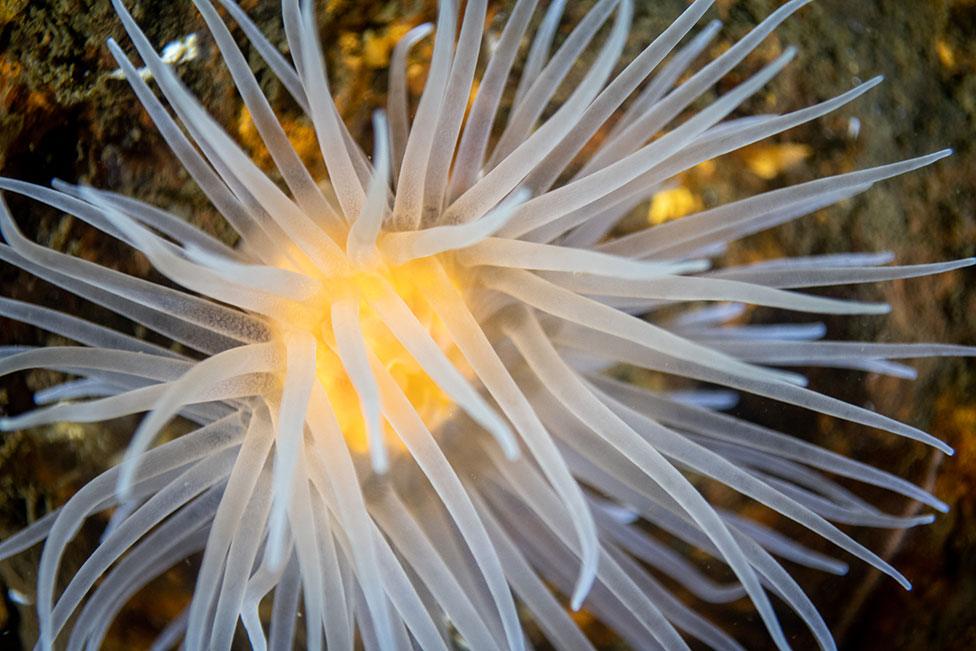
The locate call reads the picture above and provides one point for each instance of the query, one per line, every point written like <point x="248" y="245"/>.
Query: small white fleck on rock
<point x="180" y="50"/>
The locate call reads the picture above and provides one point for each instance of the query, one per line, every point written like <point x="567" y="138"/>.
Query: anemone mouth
<point x="402" y="415"/>
<point x="354" y="296"/>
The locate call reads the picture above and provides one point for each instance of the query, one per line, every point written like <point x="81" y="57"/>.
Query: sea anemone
<point x="409" y="423"/>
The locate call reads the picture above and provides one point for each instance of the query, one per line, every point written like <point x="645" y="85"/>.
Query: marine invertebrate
<point x="404" y="424"/>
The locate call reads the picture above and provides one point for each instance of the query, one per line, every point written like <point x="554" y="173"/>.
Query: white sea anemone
<point x="404" y="424"/>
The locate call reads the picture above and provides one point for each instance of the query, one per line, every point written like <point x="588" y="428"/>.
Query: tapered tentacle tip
<point x="116" y="51"/>
<point x="583" y="586"/>
<point x="577" y="602"/>
<point x="898" y="576"/>
<point x="797" y="379"/>
<point x="511" y="450"/>
<point x="874" y="81"/>
<point x="380" y="463"/>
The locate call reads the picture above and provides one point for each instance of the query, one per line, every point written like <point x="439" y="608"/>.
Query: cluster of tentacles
<point x="398" y="377"/>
